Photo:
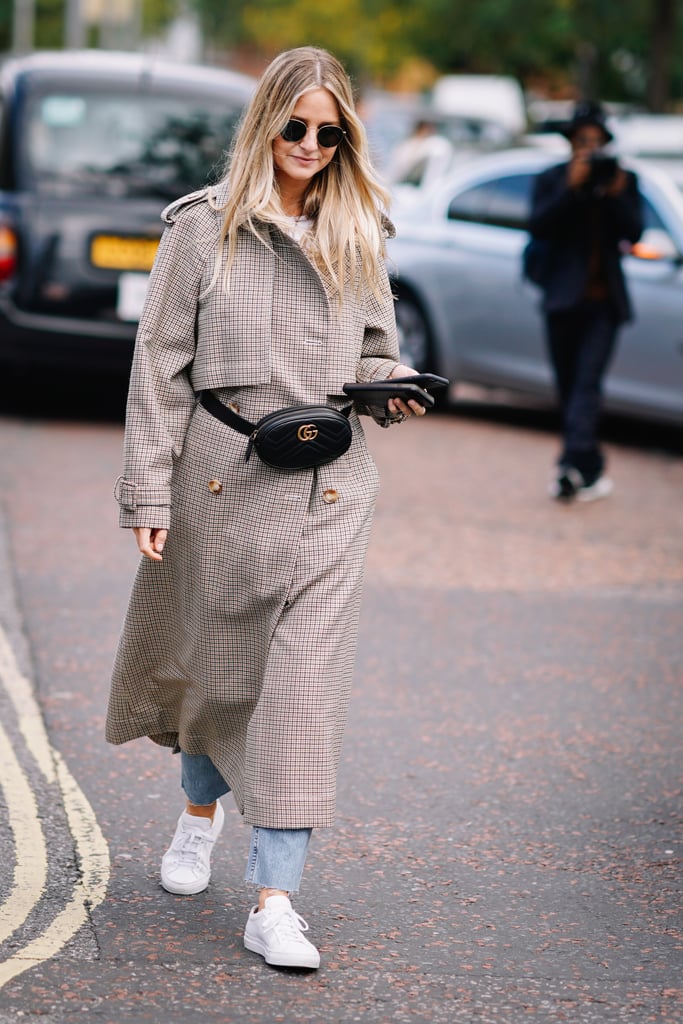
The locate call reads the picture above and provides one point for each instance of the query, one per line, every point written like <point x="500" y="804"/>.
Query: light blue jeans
<point x="276" y="856"/>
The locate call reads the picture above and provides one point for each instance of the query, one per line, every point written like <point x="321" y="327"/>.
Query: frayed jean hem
<point x="277" y="856"/>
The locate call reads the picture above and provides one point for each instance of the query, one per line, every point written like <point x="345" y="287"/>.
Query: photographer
<point x="582" y="213"/>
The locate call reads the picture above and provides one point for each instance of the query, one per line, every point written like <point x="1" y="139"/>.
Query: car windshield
<point x="124" y="143"/>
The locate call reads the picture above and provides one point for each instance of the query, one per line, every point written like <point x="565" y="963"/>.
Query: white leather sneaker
<point x="186" y="867"/>
<point x="277" y="933"/>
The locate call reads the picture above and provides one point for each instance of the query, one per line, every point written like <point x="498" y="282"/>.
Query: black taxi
<point x="93" y="145"/>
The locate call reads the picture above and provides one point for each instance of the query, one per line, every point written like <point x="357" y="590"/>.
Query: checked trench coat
<point x="240" y="643"/>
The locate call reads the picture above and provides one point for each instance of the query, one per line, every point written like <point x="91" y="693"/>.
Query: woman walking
<point x="269" y="291"/>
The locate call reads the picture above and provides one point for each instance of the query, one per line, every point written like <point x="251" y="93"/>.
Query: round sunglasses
<point x="329" y="135"/>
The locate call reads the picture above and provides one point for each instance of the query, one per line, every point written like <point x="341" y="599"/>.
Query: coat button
<point x="330" y="496"/>
<point x="215" y="486"/>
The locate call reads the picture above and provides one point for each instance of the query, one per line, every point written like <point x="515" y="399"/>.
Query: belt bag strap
<point x="297" y="437"/>
<point x="222" y="412"/>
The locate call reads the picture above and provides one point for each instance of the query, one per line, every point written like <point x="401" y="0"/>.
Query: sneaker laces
<point x="287" y="925"/>
<point x="188" y="850"/>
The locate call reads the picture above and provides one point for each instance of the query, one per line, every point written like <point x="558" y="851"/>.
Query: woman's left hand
<point x="397" y="406"/>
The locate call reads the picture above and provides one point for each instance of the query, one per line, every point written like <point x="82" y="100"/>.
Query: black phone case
<point x="429" y="381"/>
<point x="379" y="392"/>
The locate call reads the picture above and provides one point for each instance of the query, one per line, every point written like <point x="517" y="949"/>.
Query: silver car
<point x="465" y="311"/>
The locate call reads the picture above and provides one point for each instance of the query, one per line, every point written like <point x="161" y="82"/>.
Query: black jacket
<point x="567" y="220"/>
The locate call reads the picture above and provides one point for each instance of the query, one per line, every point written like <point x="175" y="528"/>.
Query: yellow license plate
<point x="115" y="252"/>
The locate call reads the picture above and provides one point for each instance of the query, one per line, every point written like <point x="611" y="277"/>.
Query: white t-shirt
<point x="298" y="226"/>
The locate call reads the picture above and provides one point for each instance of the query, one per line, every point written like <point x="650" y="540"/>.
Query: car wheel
<point x="413" y="335"/>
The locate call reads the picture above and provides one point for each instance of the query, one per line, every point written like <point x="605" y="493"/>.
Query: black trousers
<point x="581" y="342"/>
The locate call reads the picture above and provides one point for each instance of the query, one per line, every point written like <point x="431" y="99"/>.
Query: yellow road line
<point x="89" y="891"/>
<point x="30" y="870"/>
<point x="91" y="847"/>
<point x="30" y="718"/>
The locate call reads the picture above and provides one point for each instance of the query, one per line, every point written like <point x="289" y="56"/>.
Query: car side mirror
<point x="655" y="244"/>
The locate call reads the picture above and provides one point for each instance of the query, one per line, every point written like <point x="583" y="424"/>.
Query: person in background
<point x="584" y="215"/>
<point x="268" y="291"/>
<point x="422" y="157"/>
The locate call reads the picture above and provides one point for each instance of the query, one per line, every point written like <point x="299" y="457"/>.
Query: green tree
<point x="665" y="21"/>
<point x="222" y="23"/>
<point x="602" y="48"/>
<point x="626" y="50"/>
<point x="371" y="38"/>
<point x="6" y="16"/>
<point x="157" y="14"/>
<point x="606" y="49"/>
<point x="49" y="24"/>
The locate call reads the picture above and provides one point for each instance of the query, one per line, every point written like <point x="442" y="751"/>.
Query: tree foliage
<point x="5" y="24"/>
<point x="626" y="50"/>
<point x="594" y="45"/>
<point x="157" y="14"/>
<point x="49" y="23"/>
<point x="50" y="15"/>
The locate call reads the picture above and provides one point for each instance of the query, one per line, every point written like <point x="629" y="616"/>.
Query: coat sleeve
<point x="624" y="212"/>
<point x="555" y="207"/>
<point x="380" y="352"/>
<point x="553" y="204"/>
<point x="160" y="397"/>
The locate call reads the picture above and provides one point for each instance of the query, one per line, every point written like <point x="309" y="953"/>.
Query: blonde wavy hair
<point x="344" y="201"/>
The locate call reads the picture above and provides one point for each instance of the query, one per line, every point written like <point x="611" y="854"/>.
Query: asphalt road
<point x="509" y="837"/>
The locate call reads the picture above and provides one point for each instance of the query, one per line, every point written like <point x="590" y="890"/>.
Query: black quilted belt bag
<point x="298" y="437"/>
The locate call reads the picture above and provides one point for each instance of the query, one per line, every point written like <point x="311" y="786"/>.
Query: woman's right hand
<point x="150" y="541"/>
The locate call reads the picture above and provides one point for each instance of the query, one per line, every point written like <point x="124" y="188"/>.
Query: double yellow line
<point x="31" y="856"/>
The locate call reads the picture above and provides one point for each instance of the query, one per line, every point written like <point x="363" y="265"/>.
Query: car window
<point x="504" y="202"/>
<point x="124" y="143"/>
<point x="651" y="218"/>
<point x="415" y="173"/>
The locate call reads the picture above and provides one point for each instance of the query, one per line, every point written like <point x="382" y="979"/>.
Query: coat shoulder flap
<point x="170" y="214"/>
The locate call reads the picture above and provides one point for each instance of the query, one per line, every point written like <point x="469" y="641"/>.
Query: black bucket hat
<point x="587" y="113"/>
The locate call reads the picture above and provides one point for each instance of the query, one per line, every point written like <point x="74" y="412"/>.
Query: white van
<point x="496" y="98"/>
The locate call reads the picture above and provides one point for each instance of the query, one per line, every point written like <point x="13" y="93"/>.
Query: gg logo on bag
<point x="307" y="432"/>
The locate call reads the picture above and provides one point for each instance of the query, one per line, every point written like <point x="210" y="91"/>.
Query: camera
<point x="603" y="169"/>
